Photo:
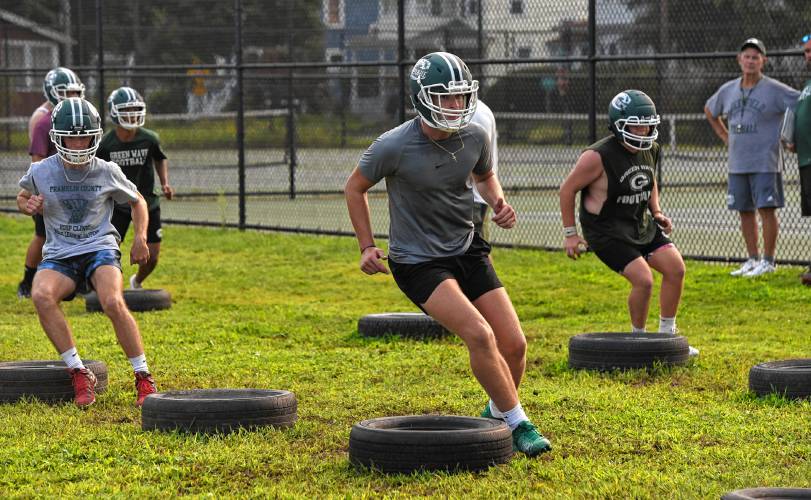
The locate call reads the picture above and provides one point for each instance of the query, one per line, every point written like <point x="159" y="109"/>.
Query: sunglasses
<point x="806" y="38"/>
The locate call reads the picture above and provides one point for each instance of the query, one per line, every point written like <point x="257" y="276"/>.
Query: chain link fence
<point x="265" y="107"/>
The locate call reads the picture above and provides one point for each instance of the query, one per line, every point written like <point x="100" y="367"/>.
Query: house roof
<point x="22" y="22"/>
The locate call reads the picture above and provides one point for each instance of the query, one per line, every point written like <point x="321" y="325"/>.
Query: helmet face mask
<point x="75" y="117"/>
<point x="435" y="81"/>
<point x="59" y="82"/>
<point x="633" y="108"/>
<point x="127" y="108"/>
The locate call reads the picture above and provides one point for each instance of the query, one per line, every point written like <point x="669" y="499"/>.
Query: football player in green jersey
<point x="137" y="150"/>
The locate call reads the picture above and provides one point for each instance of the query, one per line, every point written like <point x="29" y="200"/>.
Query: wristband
<point x="367" y="246"/>
<point x="570" y="231"/>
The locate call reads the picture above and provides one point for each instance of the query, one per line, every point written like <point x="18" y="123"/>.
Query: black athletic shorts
<point x="617" y="254"/>
<point x="121" y="222"/>
<point x="805" y="191"/>
<point x="39" y="225"/>
<point x="473" y="270"/>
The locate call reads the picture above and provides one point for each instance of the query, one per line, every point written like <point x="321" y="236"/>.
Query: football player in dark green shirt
<point x="138" y="152"/>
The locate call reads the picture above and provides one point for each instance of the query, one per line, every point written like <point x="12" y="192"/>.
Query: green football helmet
<point x="127" y="108"/>
<point x="75" y="117"/>
<point x="435" y="77"/>
<point x="58" y="82"/>
<point x="633" y="107"/>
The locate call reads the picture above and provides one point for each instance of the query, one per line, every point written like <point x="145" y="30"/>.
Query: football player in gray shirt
<point x="436" y="258"/>
<point x="75" y="192"/>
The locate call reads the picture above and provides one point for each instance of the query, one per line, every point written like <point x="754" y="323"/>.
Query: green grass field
<point x="278" y="311"/>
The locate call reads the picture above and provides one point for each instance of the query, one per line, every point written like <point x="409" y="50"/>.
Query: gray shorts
<point x="747" y="192"/>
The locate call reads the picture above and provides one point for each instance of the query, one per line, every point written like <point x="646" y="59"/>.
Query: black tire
<point x="621" y="351"/>
<point x="429" y="442"/>
<point x="408" y="325"/>
<point x="139" y="300"/>
<point x="790" y="378"/>
<point x="774" y="493"/>
<point x="47" y="381"/>
<point x="218" y="410"/>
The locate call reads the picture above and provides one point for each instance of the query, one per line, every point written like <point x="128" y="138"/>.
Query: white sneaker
<point x="693" y="351"/>
<point x="746" y="267"/>
<point x="762" y="268"/>
<point x="134" y="285"/>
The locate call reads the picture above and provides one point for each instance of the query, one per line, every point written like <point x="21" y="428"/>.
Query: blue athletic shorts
<point x="80" y="268"/>
<point x="746" y="192"/>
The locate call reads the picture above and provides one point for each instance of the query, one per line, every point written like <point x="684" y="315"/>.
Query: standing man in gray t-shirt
<point x="436" y="258"/>
<point x="753" y="105"/>
<point x="75" y="193"/>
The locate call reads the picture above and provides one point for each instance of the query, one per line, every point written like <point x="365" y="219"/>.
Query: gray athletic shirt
<point x="430" y="200"/>
<point x="754" y="117"/>
<point x="77" y="209"/>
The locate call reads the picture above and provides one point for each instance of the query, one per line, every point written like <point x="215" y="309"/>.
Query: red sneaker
<point x="84" y="383"/>
<point x="144" y="386"/>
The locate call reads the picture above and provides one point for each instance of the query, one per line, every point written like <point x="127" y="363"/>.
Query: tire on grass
<point x="429" y="442"/>
<point x="139" y="300"/>
<point x="622" y="351"/>
<point x="775" y="493"/>
<point x="218" y="410"/>
<point x="47" y="381"/>
<point x="790" y="378"/>
<point x="408" y="325"/>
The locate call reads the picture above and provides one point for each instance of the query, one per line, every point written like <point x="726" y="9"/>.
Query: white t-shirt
<point x="484" y="117"/>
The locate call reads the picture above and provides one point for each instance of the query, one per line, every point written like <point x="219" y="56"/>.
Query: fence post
<point x="291" y="117"/>
<point x="240" y="114"/>
<point x="593" y="70"/>
<point x="100" y="60"/>
<point x="400" y="58"/>
<point x="7" y="93"/>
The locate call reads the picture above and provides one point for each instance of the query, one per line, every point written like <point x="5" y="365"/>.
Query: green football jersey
<point x="137" y="160"/>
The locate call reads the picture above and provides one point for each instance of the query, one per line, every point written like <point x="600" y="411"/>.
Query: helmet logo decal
<point x="639" y="181"/>
<point x="420" y="69"/>
<point x="621" y="101"/>
<point x="77" y="208"/>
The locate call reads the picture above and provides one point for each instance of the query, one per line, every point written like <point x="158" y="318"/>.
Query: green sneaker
<point x="487" y="413"/>
<point x="528" y="440"/>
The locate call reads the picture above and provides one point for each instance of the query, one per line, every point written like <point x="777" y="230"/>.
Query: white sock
<point x="515" y="416"/>
<point x="139" y="363"/>
<point x="637" y="330"/>
<point x="72" y="359"/>
<point x="667" y="325"/>
<point x="495" y="411"/>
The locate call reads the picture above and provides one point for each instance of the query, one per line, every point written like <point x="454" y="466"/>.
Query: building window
<point x="524" y="52"/>
<point x="333" y="11"/>
<point x="516" y="6"/>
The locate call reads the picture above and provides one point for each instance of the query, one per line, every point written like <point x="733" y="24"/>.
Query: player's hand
<point x="664" y="223"/>
<point x="504" y="214"/>
<point x="791" y="147"/>
<point x="370" y="261"/>
<point x="575" y="245"/>
<point x="34" y="205"/>
<point x="168" y="192"/>
<point x="139" y="254"/>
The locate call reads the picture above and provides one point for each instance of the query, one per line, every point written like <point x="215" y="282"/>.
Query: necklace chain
<point x="452" y="153"/>
<point x="65" y="172"/>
